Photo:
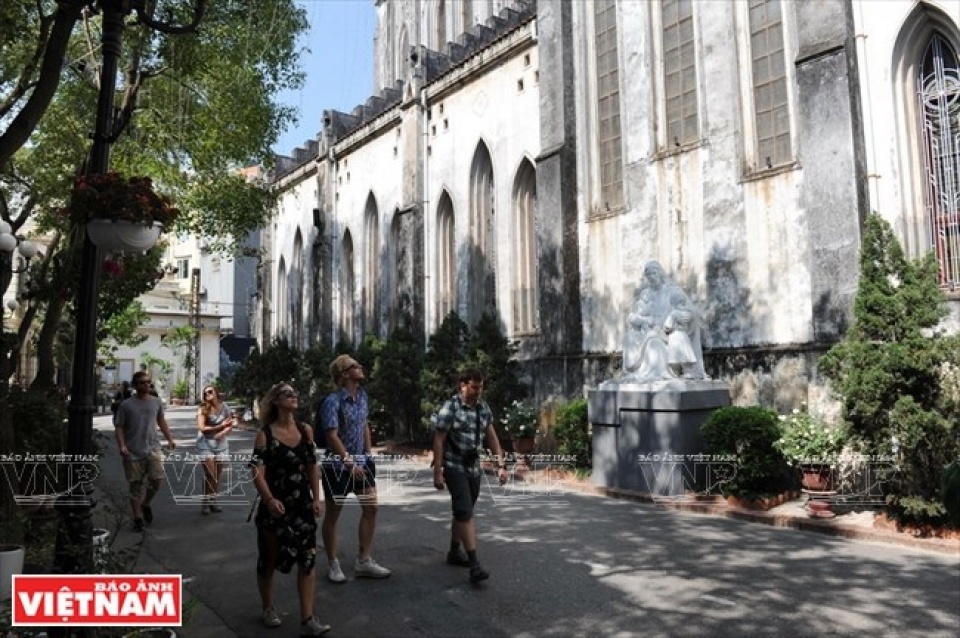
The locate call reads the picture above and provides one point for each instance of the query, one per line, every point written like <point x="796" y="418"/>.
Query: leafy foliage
<point x="748" y="434"/>
<point x="891" y="371"/>
<point x="489" y="350"/>
<point x="192" y="109"/>
<point x="278" y="362"/>
<point x="112" y="196"/>
<point x="519" y="420"/>
<point x="454" y="347"/>
<point x="393" y="384"/>
<point x="806" y="439"/>
<point x="122" y="329"/>
<point x="446" y="350"/>
<point x="308" y="372"/>
<point x="573" y="434"/>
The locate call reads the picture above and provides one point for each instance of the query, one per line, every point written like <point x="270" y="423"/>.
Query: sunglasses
<point x="288" y="394"/>
<point x="210" y="391"/>
<point x="144" y="382"/>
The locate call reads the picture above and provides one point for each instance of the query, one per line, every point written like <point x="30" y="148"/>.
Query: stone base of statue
<point x="646" y="435"/>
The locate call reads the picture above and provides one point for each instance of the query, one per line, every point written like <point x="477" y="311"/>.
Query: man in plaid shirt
<point x="461" y="425"/>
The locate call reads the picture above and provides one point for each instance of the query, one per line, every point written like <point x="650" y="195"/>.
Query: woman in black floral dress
<point x="286" y="477"/>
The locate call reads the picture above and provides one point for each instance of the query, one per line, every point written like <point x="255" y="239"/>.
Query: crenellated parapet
<point x="430" y="65"/>
<point x="286" y="164"/>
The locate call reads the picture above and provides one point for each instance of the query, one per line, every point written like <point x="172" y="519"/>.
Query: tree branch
<point x="23" y="124"/>
<point x="25" y="82"/>
<point x="144" y="16"/>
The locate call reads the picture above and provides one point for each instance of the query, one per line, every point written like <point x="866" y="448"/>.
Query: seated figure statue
<point x="662" y="333"/>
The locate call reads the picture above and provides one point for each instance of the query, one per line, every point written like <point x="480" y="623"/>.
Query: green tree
<point x="122" y="329"/>
<point x="193" y="106"/>
<point x="278" y="362"/>
<point x="890" y="372"/>
<point x="446" y="351"/>
<point x="180" y="341"/>
<point x="393" y="384"/>
<point x="489" y="350"/>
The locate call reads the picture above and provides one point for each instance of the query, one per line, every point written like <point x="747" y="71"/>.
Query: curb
<point x="719" y="507"/>
<point x="831" y="527"/>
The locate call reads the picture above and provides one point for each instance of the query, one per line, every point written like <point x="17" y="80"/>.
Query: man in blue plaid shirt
<point x="461" y="425"/>
<point x="350" y="467"/>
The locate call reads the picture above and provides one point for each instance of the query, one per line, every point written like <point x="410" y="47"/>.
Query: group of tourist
<point x="294" y="492"/>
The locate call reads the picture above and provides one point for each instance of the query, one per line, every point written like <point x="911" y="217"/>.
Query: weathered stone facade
<point x="420" y="192"/>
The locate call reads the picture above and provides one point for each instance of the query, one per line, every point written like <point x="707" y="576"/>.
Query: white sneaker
<point x="313" y="627"/>
<point x="335" y="575"/>
<point x="368" y="568"/>
<point x="270" y="617"/>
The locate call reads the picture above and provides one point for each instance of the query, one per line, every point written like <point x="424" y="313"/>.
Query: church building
<point x="530" y="158"/>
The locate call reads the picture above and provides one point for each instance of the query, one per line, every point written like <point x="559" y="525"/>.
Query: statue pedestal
<point x="646" y="435"/>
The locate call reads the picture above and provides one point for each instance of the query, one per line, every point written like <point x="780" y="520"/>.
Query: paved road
<point x="562" y="564"/>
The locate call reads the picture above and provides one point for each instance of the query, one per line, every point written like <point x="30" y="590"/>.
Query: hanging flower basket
<point x="122" y="236"/>
<point x="120" y="213"/>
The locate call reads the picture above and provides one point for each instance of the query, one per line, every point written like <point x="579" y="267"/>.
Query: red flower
<point x="112" y="268"/>
<point x="111" y="196"/>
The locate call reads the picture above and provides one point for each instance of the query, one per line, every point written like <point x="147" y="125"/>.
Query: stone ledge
<point x="790" y="519"/>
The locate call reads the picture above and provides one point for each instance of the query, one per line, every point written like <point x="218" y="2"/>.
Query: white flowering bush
<point x="519" y="420"/>
<point x="807" y="440"/>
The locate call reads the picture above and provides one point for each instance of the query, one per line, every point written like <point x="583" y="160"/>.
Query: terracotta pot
<point x="123" y="236"/>
<point x="817" y="478"/>
<point x="524" y="445"/>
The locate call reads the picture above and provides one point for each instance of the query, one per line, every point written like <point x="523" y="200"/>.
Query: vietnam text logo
<point x="128" y="600"/>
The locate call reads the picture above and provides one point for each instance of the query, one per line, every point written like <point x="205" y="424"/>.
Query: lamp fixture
<point x="9" y="243"/>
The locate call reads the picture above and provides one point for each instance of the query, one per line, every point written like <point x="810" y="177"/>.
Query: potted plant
<point x="179" y="392"/>
<point x="120" y="213"/>
<point x="813" y="446"/>
<point x="520" y="426"/>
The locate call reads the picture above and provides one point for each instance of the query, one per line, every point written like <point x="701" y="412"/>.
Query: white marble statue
<point x="663" y="332"/>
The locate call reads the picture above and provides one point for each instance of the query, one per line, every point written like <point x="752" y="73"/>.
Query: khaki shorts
<point x="139" y="471"/>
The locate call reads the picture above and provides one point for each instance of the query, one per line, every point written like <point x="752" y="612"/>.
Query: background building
<point x="529" y="159"/>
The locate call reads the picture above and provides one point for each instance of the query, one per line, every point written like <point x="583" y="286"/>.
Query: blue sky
<point x="337" y="59"/>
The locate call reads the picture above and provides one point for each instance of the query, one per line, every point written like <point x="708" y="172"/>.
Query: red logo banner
<point x="129" y="600"/>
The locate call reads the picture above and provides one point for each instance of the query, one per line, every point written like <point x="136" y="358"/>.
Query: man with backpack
<point x="462" y="424"/>
<point x="348" y="466"/>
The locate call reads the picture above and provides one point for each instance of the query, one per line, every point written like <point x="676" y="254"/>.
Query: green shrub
<point x="39" y="420"/>
<point x="748" y="434"/>
<point x="572" y="433"/>
<point x="950" y="491"/>
<point x="892" y="372"/>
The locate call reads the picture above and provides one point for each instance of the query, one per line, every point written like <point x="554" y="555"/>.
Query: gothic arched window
<point x="347" y="286"/>
<point x="296" y="298"/>
<point x="938" y="87"/>
<point x="446" y="291"/>
<point x="525" y="316"/>
<point x="481" y="281"/>
<point x="371" y="269"/>
<point x="282" y="297"/>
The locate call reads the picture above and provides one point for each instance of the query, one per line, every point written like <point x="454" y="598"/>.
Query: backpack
<point x="319" y="432"/>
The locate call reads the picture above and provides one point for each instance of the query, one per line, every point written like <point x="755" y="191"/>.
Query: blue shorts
<point x="210" y="448"/>
<point x="338" y="481"/>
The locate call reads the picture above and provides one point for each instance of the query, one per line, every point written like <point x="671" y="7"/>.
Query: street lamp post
<point x="15" y="255"/>
<point x="74" y="552"/>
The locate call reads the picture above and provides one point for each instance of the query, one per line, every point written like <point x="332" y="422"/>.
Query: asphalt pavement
<point x="562" y="563"/>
